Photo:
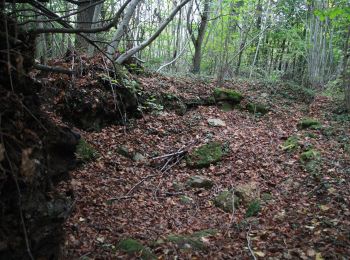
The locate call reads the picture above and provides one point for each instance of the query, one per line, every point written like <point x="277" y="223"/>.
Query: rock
<point x="135" y="248"/>
<point x="194" y="241"/>
<point x="205" y="155"/>
<point x="216" y="122"/>
<point x="257" y="108"/>
<point x="186" y="200"/>
<point x="138" y="157"/>
<point x="225" y="200"/>
<point x="200" y="182"/>
<point x="122" y="150"/>
<point x="247" y="192"/>
<point x="229" y="95"/>
<point x="309" y="123"/>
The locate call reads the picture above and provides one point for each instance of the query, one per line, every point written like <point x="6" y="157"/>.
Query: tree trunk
<point x="84" y="19"/>
<point x="346" y="72"/>
<point x="122" y="28"/>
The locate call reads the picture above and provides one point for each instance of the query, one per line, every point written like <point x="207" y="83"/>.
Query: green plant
<point x="253" y="209"/>
<point x="85" y="152"/>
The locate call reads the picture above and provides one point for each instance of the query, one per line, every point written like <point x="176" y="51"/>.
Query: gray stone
<point x="199" y="182"/>
<point x="216" y="122"/>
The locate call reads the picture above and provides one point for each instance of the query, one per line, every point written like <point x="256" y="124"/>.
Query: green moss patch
<point x="225" y="201"/>
<point x="133" y="247"/>
<point x="310" y="155"/>
<point x="290" y="144"/>
<point x="253" y="209"/>
<point x="229" y="95"/>
<point x="257" y="108"/>
<point x="85" y="152"/>
<point x="310" y="123"/>
<point x="205" y="155"/>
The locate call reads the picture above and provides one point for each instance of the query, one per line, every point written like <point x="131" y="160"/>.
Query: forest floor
<point x="302" y="214"/>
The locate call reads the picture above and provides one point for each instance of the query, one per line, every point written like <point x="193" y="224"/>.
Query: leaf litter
<point x="306" y="216"/>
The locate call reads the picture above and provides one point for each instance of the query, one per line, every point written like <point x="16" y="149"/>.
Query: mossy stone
<point x="225" y="202"/>
<point x="310" y="155"/>
<point x="205" y="155"/>
<point x="133" y="247"/>
<point x="309" y="123"/>
<point x="291" y="143"/>
<point x="257" y="108"/>
<point x="224" y="94"/>
<point x="193" y="241"/>
<point x="186" y="200"/>
<point x="200" y="182"/>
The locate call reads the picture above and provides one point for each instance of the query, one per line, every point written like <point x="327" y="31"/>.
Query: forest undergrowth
<point x="129" y="203"/>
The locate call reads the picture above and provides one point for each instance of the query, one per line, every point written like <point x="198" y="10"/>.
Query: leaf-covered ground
<point x="304" y="212"/>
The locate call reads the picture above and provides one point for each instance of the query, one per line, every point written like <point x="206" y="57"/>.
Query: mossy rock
<point x="310" y="123"/>
<point x="257" y="108"/>
<point x="200" y="182"/>
<point x="247" y="192"/>
<point x="133" y="247"/>
<point x="193" y="241"/>
<point x="253" y="209"/>
<point x="310" y="155"/>
<point x="291" y="144"/>
<point x="225" y="202"/>
<point x="229" y="95"/>
<point x="186" y="200"/>
<point x="85" y="152"/>
<point x="265" y="196"/>
<point x="205" y="155"/>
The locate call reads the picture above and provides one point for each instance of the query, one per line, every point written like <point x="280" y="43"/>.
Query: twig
<point x="249" y="244"/>
<point x="139" y="183"/>
<point x="121" y="198"/>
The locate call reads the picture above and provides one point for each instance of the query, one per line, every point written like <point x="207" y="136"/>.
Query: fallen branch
<point x="53" y="69"/>
<point x="249" y="244"/>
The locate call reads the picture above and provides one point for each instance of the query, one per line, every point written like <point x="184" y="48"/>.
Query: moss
<point x="253" y="209"/>
<point x="309" y="123"/>
<point x="133" y="247"/>
<point x="186" y="200"/>
<point x="224" y="94"/>
<point x="291" y="143"/>
<point x="85" y="152"/>
<point x="192" y="241"/>
<point x="310" y="155"/>
<point x="225" y="202"/>
<point x="265" y="196"/>
<point x="186" y="241"/>
<point x="257" y="108"/>
<point x="205" y="155"/>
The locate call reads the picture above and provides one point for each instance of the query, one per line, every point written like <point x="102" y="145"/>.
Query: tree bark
<point x="122" y="28"/>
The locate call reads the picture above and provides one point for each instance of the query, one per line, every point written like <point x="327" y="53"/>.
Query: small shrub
<point x="253" y="209"/>
<point x="290" y="144"/>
